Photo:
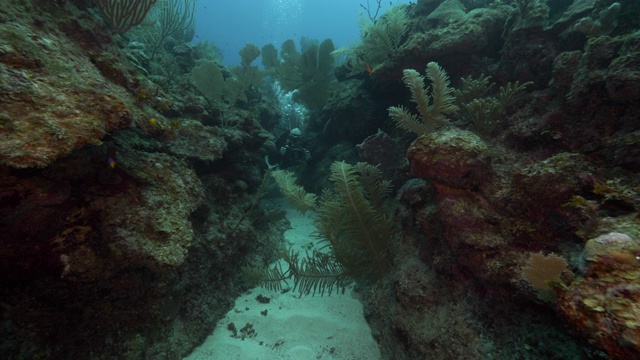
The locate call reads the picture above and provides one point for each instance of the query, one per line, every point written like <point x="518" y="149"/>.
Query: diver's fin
<point x="271" y="167"/>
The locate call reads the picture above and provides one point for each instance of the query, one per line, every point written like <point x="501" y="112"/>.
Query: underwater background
<point x="232" y="24"/>
<point x="466" y="173"/>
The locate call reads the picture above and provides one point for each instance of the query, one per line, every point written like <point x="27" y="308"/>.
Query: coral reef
<point x="124" y="199"/>
<point x="554" y="169"/>
<point x="130" y="172"/>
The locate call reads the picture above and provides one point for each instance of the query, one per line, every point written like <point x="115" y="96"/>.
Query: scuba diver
<point x="289" y="151"/>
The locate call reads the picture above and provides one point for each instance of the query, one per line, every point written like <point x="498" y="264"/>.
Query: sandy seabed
<point x="289" y="327"/>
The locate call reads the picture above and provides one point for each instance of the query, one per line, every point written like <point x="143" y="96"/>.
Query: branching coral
<point x="380" y="39"/>
<point x="433" y="108"/>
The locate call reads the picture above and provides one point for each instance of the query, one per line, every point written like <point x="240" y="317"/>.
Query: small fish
<point x="153" y="122"/>
<point x="111" y="163"/>
<point x="368" y="68"/>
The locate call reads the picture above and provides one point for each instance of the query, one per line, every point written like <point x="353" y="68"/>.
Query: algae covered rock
<point x="604" y="304"/>
<point x="53" y="100"/>
<point x="452" y="157"/>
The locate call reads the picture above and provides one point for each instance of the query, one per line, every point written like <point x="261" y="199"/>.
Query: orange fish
<point x="368" y="68"/>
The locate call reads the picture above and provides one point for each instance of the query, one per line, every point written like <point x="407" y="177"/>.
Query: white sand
<point x="329" y="327"/>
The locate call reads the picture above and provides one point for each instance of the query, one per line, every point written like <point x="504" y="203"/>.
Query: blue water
<point x="231" y="24"/>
